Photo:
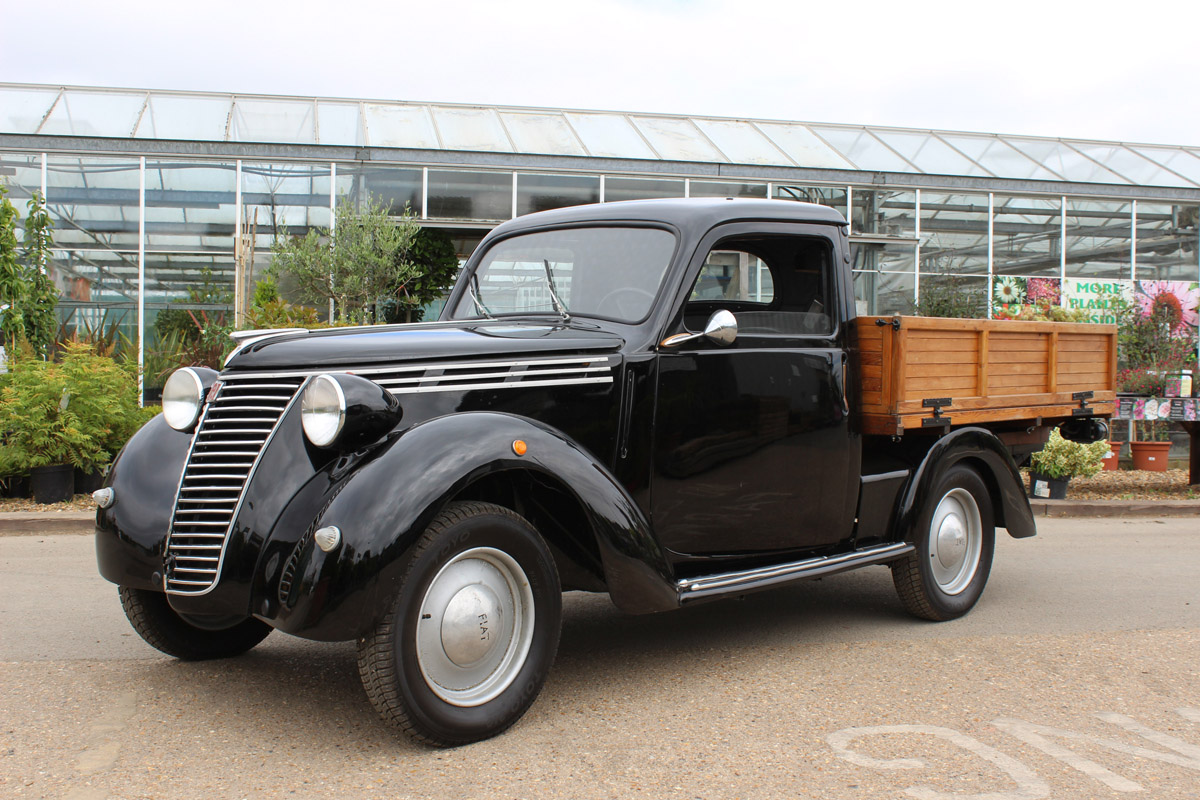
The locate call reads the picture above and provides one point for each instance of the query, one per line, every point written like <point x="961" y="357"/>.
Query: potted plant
<point x="104" y="403"/>
<point x="40" y="433"/>
<point x="1150" y="449"/>
<point x="1059" y="461"/>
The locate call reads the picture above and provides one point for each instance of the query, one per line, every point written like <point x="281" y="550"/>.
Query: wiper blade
<point x="472" y="286"/>
<point x="558" y="304"/>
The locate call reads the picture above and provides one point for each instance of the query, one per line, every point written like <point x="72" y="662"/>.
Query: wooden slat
<point x="1018" y="368"/>
<point x="944" y="357"/>
<point x="933" y="370"/>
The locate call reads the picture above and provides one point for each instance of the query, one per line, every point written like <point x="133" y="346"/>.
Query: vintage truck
<point x="669" y="401"/>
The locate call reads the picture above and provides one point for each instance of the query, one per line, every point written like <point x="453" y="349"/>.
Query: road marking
<point x="1029" y="785"/>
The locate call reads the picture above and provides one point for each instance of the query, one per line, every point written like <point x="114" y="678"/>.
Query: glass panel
<point x="961" y="291"/>
<point x="863" y="149"/>
<point x="954" y="233"/>
<point x="604" y="272"/>
<point x="996" y="156"/>
<point x="735" y="276"/>
<point x="543" y="192"/>
<point x="541" y="133"/>
<point x="884" y="212"/>
<point x="832" y="196"/>
<point x="470" y="195"/>
<point x="1176" y="159"/>
<point x="883" y="293"/>
<point x="1028" y="236"/>
<point x="676" y="139"/>
<point x="609" y="136"/>
<point x="741" y="142"/>
<point x="338" y="123"/>
<point x="717" y="189"/>
<point x="93" y="202"/>
<point x="22" y="110"/>
<point x="190" y="207"/>
<point x="1166" y="242"/>
<point x="22" y="176"/>
<point x="396" y="186"/>
<point x="470" y="129"/>
<point x="195" y="117"/>
<point x="272" y="121"/>
<point x="276" y="196"/>
<point x="640" y="189"/>
<point x="929" y="153"/>
<point x="883" y="257"/>
<point x="803" y="147"/>
<point x="1098" y="239"/>
<point x="95" y="114"/>
<point x="1064" y="161"/>
<point x="1130" y="164"/>
<point x="399" y="126"/>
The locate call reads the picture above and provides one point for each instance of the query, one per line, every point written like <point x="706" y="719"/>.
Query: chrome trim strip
<point x="729" y="582"/>
<point x="241" y="498"/>
<point x="477" y="376"/>
<point x="455" y="365"/>
<point x="497" y="385"/>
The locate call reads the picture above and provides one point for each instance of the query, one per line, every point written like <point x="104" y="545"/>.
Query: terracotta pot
<point x="1151" y="456"/>
<point x="1112" y="460"/>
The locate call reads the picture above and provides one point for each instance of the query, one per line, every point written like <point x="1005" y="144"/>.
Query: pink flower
<point x="1045" y="290"/>
<point x="1177" y="295"/>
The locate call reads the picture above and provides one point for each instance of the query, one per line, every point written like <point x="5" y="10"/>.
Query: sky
<point x="1085" y="70"/>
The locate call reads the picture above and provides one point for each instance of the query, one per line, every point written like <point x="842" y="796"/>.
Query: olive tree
<point x="357" y="264"/>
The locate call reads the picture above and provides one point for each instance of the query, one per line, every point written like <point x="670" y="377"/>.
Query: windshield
<point x="594" y="272"/>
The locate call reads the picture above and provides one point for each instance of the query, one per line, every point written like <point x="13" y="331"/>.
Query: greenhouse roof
<point x="28" y="109"/>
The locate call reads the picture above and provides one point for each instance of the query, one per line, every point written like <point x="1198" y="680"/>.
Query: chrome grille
<point x="229" y="440"/>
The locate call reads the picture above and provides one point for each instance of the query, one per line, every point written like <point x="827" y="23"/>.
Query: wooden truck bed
<point x="926" y="372"/>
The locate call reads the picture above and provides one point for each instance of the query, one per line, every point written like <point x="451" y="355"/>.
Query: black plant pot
<point x="1047" y="488"/>
<point x="52" y="484"/>
<point x="16" y="486"/>
<point x="88" y="482"/>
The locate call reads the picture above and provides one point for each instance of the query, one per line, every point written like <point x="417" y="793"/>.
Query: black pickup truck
<point x="657" y="399"/>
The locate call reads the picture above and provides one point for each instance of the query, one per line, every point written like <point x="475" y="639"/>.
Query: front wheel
<point x="155" y="621"/>
<point x="955" y="538"/>
<point x="468" y="640"/>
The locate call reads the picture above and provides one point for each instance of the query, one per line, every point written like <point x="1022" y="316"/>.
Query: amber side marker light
<point x="519" y="447"/>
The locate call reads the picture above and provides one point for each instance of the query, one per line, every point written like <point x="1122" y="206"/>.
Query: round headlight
<point x="323" y="410"/>
<point x="181" y="399"/>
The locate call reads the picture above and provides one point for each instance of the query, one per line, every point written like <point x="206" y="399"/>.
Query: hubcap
<point x="955" y="541"/>
<point x="475" y="627"/>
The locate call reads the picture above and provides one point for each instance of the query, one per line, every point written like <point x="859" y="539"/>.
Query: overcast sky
<point x="1094" y="70"/>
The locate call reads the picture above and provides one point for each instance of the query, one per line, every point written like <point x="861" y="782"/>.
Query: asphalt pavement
<point x="1076" y="677"/>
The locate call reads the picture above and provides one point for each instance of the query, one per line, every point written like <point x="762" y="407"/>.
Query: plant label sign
<point x="1100" y="298"/>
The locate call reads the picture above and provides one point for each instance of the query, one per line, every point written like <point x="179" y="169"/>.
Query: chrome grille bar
<point x="230" y="439"/>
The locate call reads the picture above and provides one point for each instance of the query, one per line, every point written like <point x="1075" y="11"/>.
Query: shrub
<point x="1063" y="459"/>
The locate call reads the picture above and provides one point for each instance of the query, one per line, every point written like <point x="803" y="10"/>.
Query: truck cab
<point x="660" y="400"/>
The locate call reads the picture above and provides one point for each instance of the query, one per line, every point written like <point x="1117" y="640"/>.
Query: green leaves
<point x="1063" y="459"/>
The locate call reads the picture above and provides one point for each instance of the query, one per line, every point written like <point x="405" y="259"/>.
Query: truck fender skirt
<point x="390" y="500"/>
<point x="131" y="533"/>
<point x="985" y="453"/>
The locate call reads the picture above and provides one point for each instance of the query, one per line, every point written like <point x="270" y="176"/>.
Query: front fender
<point x="389" y="501"/>
<point x="131" y="533"/>
<point x="986" y="454"/>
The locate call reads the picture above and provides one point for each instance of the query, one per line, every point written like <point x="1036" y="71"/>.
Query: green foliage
<point x="435" y="263"/>
<point x="357" y="264"/>
<point x="1063" y="459"/>
<point x="269" y="310"/>
<point x="12" y="284"/>
<point x="80" y="411"/>
<point x="1149" y="342"/>
<point x="950" y="297"/>
<point x="41" y="295"/>
<point x="265" y="291"/>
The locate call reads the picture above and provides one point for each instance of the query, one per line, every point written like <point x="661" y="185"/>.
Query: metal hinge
<point x="894" y="322"/>
<point x="936" y="404"/>
<point x="1083" y="410"/>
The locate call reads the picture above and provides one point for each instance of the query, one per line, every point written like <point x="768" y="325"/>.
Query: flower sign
<point x="1014" y="297"/>
<point x="1180" y="299"/>
<point x="1102" y="299"/>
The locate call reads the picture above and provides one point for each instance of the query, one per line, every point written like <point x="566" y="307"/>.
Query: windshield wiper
<point x="472" y="287"/>
<point x="558" y="304"/>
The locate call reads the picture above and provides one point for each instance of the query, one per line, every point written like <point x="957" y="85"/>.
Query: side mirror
<point x="721" y="329"/>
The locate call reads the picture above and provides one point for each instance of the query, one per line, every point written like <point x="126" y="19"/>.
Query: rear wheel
<point x="191" y="640"/>
<point x="955" y="539"/>
<point x="469" y="639"/>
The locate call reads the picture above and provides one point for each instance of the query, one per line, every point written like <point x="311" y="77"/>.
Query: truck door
<point x="753" y="451"/>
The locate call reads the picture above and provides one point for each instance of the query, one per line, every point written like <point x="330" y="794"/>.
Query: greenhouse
<point x="163" y="198"/>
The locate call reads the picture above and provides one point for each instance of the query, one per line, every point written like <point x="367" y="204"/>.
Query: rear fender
<point x="389" y="501"/>
<point x="980" y="449"/>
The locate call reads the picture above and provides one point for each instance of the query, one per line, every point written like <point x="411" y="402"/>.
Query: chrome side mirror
<point x="721" y="329"/>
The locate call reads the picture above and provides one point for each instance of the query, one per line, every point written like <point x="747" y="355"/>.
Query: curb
<point x="46" y="523"/>
<point x="1114" y="508"/>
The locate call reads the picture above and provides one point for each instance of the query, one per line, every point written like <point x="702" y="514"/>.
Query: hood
<point x="383" y="344"/>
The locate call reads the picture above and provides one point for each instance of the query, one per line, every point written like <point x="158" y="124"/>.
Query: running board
<point x="750" y="580"/>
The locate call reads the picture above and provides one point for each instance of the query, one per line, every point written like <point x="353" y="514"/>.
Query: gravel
<point x="1131" y="485"/>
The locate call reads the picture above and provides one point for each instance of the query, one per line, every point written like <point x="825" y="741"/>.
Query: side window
<point x="772" y="284"/>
